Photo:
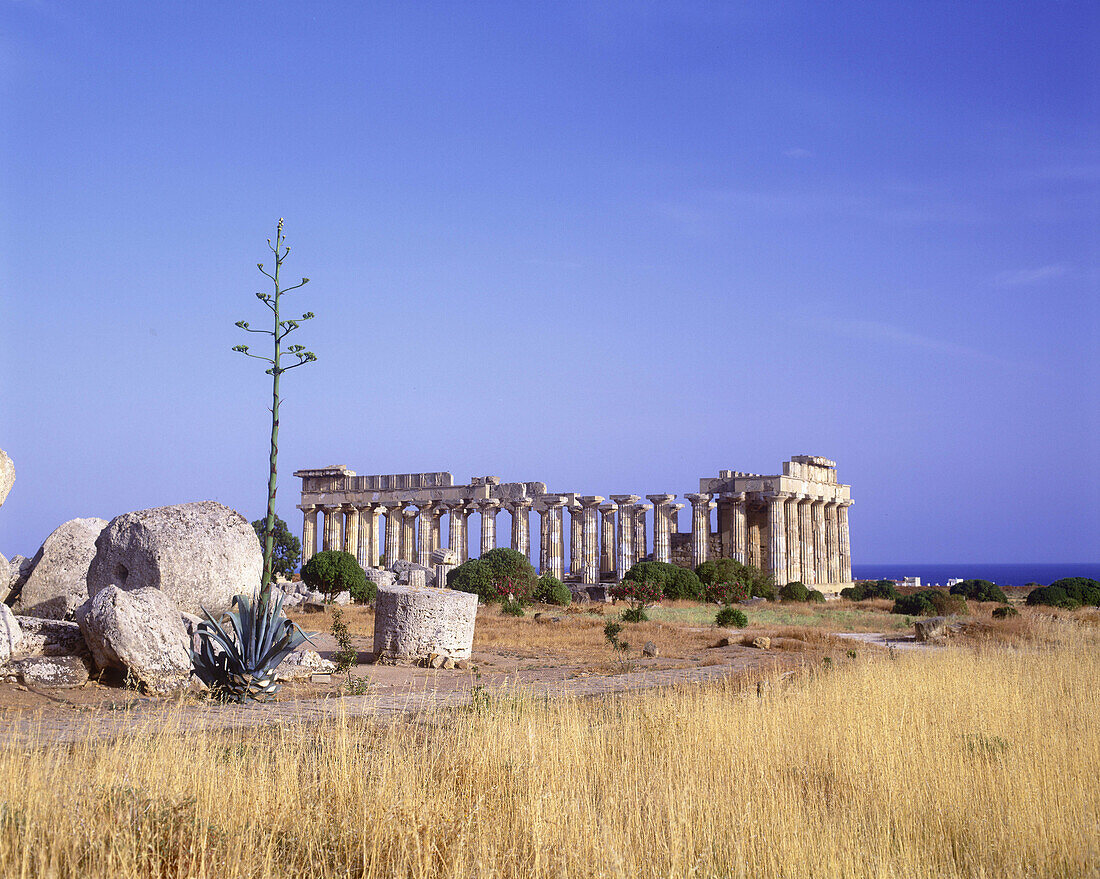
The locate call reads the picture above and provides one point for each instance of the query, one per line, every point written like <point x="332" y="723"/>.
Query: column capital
<point x="659" y="499"/>
<point x="626" y="500"/>
<point x="777" y="496"/>
<point x="697" y="499"/>
<point x="349" y="508"/>
<point x="550" y="501"/>
<point x="381" y="508"/>
<point x="642" y="508"/>
<point x="308" y="508"/>
<point x="845" y="504"/>
<point x="410" y="512"/>
<point x="609" y="508"/>
<point x="520" y="504"/>
<point x="590" y="500"/>
<point x="675" y="508"/>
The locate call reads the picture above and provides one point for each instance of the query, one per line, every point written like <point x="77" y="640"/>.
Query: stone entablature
<point x="794" y="525"/>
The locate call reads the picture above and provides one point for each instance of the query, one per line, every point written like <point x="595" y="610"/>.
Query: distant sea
<point x="1002" y="575"/>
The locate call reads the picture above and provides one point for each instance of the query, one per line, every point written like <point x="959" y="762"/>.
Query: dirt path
<point x="146" y="717"/>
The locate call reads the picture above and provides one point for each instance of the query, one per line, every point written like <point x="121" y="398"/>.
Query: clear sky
<point x="613" y="247"/>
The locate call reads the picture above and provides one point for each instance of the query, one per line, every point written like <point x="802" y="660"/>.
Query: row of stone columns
<point x="807" y="538"/>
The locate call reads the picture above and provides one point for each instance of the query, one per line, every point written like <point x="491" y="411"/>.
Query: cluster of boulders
<point x="125" y="596"/>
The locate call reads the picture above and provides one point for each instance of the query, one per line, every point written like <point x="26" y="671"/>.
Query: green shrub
<point x="634" y="614"/>
<point x="863" y="590"/>
<point x="685" y="585"/>
<point x="672" y="580"/>
<point x="495" y="575"/>
<point x="1052" y="596"/>
<point x="512" y="607"/>
<point x="1080" y="589"/>
<point x="1003" y="613"/>
<point x="333" y="571"/>
<point x="930" y="602"/>
<point x="815" y="596"/>
<point x="473" y="576"/>
<point x="731" y="617"/>
<point x="551" y="590"/>
<point x="757" y="583"/>
<point x="979" y="590"/>
<point x="794" y="591"/>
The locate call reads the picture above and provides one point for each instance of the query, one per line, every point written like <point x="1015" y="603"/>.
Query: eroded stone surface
<point x="11" y="634"/>
<point x="140" y="631"/>
<point x="53" y="671"/>
<point x="301" y="664"/>
<point x="199" y="554"/>
<point x="58" y="582"/>
<point x="43" y="637"/>
<point x="7" y="475"/>
<point x="19" y="571"/>
<point x="411" y="622"/>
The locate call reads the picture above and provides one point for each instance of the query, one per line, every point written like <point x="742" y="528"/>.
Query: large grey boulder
<point x="19" y="571"/>
<point x="199" y="554"/>
<point x="58" y="582"/>
<point x="11" y="635"/>
<point x="140" y="631"/>
<point x="7" y="475"/>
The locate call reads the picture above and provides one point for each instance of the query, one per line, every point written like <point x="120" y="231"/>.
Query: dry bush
<point x="954" y="763"/>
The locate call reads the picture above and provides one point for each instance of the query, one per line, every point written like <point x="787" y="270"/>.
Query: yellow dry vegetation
<point x="971" y="761"/>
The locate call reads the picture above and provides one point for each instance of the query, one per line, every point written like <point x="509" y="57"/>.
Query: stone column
<point x="794" y="543"/>
<point x="576" y="539"/>
<point x="557" y="541"/>
<point x="821" y="559"/>
<point x="624" y="533"/>
<point x="437" y="514"/>
<point x="544" y="538"/>
<point x="521" y="526"/>
<point x="607" y="538"/>
<point x="753" y="556"/>
<point x="351" y="530"/>
<point x="454" y="528"/>
<point x="639" y="531"/>
<point x="393" y="533"/>
<point x="738" y="528"/>
<point x="701" y="505"/>
<point x="488" y="509"/>
<point x="806" y="541"/>
<point x="374" y="550"/>
<point x="662" y="543"/>
<point x="362" y="538"/>
<point x="408" y="533"/>
<point x="309" y="531"/>
<point x="673" y="520"/>
<point x="327" y="536"/>
<point x="845" y="542"/>
<point x="832" y="542"/>
<point x="464" y="529"/>
<point x="777" y="536"/>
<point x="725" y="523"/>
<point x="590" y="540"/>
<point x="424" y="550"/>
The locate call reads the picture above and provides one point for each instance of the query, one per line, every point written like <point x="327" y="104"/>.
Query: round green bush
<point x="661" y="574"/>
<point x="863" y="590"/>
<point x="1003" y="613"/>
<point x="512" y="608"/>
<point x="1069" y="589"/>
<point x="496" y="574"/>
<point x="731" y="618"/>
<point x="979" y="590"/>
<point x="551" y="590"/>
<point x="930" y="602"/>
<point x="794" y="591"/>
<point x="815" y="596"/>
<point x="1052" y="596"/>
<point x="685" y="585"/>
<point x="333" y="571"/>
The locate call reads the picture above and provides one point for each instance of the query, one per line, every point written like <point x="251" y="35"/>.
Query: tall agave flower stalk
<point x="238" y="655"/>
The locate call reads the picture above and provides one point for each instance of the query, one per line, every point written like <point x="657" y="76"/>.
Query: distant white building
<point x="911" y="581"/>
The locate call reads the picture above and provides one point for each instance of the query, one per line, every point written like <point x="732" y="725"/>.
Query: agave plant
<point x="237" y="657"/>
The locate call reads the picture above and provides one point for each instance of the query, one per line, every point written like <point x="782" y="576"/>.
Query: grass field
<point x="970" y="761"/>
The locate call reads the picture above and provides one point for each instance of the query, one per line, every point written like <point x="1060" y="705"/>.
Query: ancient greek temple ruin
<point x="793" y="525"/>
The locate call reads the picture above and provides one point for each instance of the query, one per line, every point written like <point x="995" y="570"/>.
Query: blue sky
<point x="612" y="247"/>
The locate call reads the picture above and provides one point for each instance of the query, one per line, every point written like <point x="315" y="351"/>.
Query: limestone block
<point x="412" y="623"/>
<point x="43" y="637"/>
<point x="11" y="635"/>
<point x="651" y="649"/>
<point x="380" y="577"/>
<point x="343" y="599"/>
<point x="53" y="671"/>
<point x="139" y="631"/>
<point x="19" y="571"/>
<point x="7" y="475"/>
<point x="402" y="569"/>
<point x="933" y="628"/>
<point x="443" y="557"/>
<point x="58" y="582"/>
<point x="199" y="554"/>
<point x="301" y="664"/>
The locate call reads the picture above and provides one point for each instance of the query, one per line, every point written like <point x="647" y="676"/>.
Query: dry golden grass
<point x="959" y="762"/>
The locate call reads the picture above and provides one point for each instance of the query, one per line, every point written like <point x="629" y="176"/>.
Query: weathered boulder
<point x="53" y="671"/>
<point x="343" y="599"/>
<point x="380" y="577"/>
<point x="7" y="475"/>
<point x="58" y="582"/>
<point x="303" y="663"/>
<point x="199" y="555"/>
<point x="933" y="628"/>
<point x="404" y="572"/>
<point x="19" y="571"/>
<point x="444" y="556"/>
<point x="140" y="631"/>
<point x="11" y="635"/>
<point x="762" y="643"/>
<point x="651" y="649"/>
<point x="42" y="637"/>
<point x="412" y="623"/>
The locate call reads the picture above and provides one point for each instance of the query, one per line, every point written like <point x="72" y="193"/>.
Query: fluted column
<point x="488" y="509"/>
<point x="832" y="542"/>
<point x="755" y="552"/>
<point x="576" y="539"/>
<point x="806" y="541"/>
<point x="435" y="539"/>
<point x="725" y="523"/>
<point x="408" y="533"/>
<point x="521" y="527"/>
<point x="662" y="544"/>
<point x="738" y="528"/>
<point x="328" y="534"/>
<point x="362" y="534"/>
<point x="393" y="533"/>
<point x="821" y="558"/>
<point x="673" y="512"/>
<point x="607" y="538"/>
<point x="701" y="505"/>
<point x="464" y="529"/>
<point x="374" y="549"/>
<point x="557" y="539"/>
<point x="309" y="531"/>
<point x="777" y="536"/>
<point x="640" y="549"/>
<point x="424" y="549"/>
<point x="590" y="539"/>
<point x="845" y="543"/>
<point x="351" y="529"/>
<point x="624" y="533"/>
<point x="794" y="543"/>
<point x="454" y="527"/>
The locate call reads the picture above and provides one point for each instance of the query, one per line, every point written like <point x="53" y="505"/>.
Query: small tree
<point x="287" y="548"/>
<point x="281" y="329"/>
